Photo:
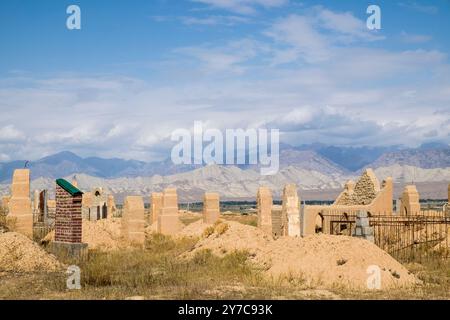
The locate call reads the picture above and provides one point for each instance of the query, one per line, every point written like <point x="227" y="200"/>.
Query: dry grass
<point x="157" y="272"/>
<point x="6" y="223"/>
<point x="221" y="227"/>
<point x="218" y="228"/>
<point x="435" y="275"/>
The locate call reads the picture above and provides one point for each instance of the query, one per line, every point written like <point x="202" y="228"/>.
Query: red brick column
<point x="68" y="221"/>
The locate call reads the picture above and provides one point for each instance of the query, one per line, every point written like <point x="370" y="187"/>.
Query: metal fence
<point x="414" y="238"/>
<point x="41" y="226"/>
<point x="406" y="238"/>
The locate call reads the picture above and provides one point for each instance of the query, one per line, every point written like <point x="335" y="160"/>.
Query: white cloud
<point x="207" y="20"/>
<point x="10" y="134"/>
<point x="337" y="89"/>
<point x="243" y="6"/>
<point x="414" y="38"/>
<point x="316" y="35"/>
<point x="347" y="27"/>
<point x="226" y="59"/>
<point x="4" y="157"/>
<point x="299" y="33"/>
<point x="215" y="20"/>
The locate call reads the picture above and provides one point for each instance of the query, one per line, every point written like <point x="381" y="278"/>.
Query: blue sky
<point x="137" y="70"/>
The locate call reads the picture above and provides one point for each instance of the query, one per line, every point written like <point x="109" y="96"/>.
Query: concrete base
<point x="65" y="250"/>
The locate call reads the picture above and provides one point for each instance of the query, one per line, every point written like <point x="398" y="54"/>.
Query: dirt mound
<point x="320" y="260"/>
<point x="102" y="234"/>
<point x="194" y="229"/>
<point x="20" y="254"/>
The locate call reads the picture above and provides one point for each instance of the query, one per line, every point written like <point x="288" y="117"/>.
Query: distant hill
<point x="234" y="183"/>
<point x="354" y="158"/>
<point x="426" y="157"/>
<point x="67" y="163"/>
<point x="311" y="167"/>
<point x="229" y="181"/>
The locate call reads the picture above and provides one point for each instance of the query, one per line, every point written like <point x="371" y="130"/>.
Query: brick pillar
<point x="169" y="221"/>
<point x="277" y="224"/>
<point x="264" y="204"/>
<point x="20" y="202"/>
<point x="211" y="207"/>
<point x="156" y="205"/>
<point x="111" y="204"/>
<point x="133" y="220"/>
<point x="291" y="211"/>
<point x="68" y="222"/>
<point x="86" y="205"/>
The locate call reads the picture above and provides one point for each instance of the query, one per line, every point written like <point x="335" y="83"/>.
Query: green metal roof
<point x="68" y="187"/>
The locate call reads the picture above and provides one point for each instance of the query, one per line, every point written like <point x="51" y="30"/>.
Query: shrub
<point x="208" y="232"/>
<point x="221" y="228"/>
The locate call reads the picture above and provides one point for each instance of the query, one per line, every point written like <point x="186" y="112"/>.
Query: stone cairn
<point x="211" y="208"/>
<point x="264" y="204"/>
<point x="169" y="219"/>
<point x="133" y="223"/>
<point x="363" y="229"/>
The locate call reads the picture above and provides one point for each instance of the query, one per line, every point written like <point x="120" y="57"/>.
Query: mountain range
<point x="313" y="167"/>
<point x="315" y="157"/>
